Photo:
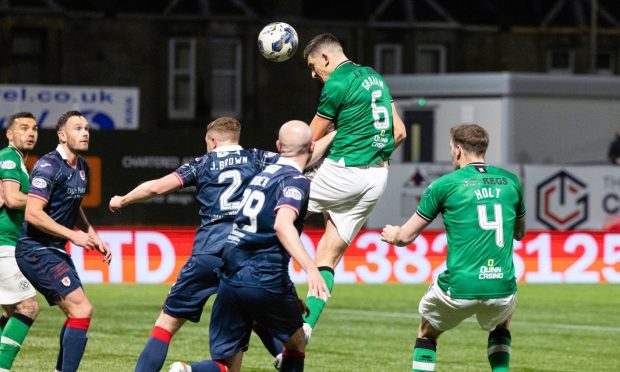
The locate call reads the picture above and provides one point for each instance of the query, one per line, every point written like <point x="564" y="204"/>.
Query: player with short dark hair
<point x="255" y="284"/>
<point x="483" y="211"/>
<point x="17" y="296"/>
<point x="58" y="184"/>
<point x="347" y="185"/>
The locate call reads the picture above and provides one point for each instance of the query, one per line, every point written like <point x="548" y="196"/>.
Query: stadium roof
<point x="503" y="14"/>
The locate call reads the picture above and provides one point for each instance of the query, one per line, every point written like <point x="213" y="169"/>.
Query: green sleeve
<point x="10" y="167"/>
<point x="331" y="99"/>
<point x="430" y="203"/>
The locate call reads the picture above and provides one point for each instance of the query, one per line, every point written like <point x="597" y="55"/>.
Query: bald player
<point x="255" y="285"/>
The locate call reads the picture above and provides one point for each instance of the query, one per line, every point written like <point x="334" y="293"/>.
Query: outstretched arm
<point x="405" y="234"/>
<point x="145" y="191"/>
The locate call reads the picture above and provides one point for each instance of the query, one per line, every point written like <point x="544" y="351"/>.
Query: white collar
<point x="228" y="148"/>
<point x="291" y="162"/>
<point x="62" y="152"/>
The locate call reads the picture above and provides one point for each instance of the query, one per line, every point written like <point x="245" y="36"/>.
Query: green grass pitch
<point x="365" y="327"/>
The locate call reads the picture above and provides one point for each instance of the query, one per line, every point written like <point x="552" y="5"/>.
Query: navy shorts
<point x="51" y="272"/>
<point x="196" y="282"/>
<point x="237" y="308"/>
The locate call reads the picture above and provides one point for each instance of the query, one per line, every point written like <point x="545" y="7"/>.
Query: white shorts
<point x="445" y="313"/>
<point x="348" y="194"/>
<point x="14" y="287"/>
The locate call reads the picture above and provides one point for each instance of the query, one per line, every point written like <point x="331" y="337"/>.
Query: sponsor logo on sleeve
<point x="39" y="183"/>
<point x="8" y="164"/>
<point x="293" y="193"/>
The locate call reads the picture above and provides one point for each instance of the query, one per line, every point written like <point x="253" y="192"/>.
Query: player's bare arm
<point x="13" y="198"/>
<point x="145" y="191"/>
<point x="319" y="127"/>
<point x="287" y="233"/>
<point x="405" y="234"/>
<point x="519" y="230"/>
<point x="320" y="147"/>
<point x="84" y="225"/>
<point x="399" y="127"/>
<point x="36" y="216"/>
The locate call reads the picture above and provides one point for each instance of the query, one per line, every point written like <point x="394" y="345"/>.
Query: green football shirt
<point x="479" y="204"/>
<point x="12" y="168"/>
<point x="357" y="100"/>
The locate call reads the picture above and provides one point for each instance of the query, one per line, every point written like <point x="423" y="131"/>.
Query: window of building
<point x="605" y="63"/>
<point x="226" y="77"/>
<point x="430" y="59"/>
<point x="561" y="61"/>
<point x="28" y="55"/>
<point x="181" y="78"/>
<point x="388" y="58"/>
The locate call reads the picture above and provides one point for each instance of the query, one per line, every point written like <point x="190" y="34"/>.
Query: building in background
<point x="193" y="60"/>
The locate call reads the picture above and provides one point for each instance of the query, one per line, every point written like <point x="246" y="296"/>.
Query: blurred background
<point x="540" y="75"/>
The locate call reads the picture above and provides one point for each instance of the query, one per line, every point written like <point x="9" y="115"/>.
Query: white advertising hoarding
<point x="572" y="198"/>
<point x="406" y="183"/>
<point x="104" y="107"/>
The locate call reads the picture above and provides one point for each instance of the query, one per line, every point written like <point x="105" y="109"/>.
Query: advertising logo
<point x="99" y="119"/>
<point x="562" y="201"/>
<point x="104" y="107"/>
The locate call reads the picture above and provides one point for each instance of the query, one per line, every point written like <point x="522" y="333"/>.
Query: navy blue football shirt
<point x="220" y="178"/>
<point x="253" y="255"/>
<point x="63" y="187"/>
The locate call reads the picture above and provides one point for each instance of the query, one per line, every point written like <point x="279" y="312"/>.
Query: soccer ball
<point x="277" y="41"/>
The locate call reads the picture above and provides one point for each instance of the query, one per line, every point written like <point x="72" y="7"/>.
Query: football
<point x="277" y="41"/>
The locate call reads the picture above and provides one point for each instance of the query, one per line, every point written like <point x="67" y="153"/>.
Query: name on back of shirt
<point x="235" y="160"/>
<point x="487" y="192"/>
<point x="371" y="81"/>
<point x="259" y="181"/>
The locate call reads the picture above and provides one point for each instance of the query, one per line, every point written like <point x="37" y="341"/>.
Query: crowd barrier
<point x="155" y="255"/>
